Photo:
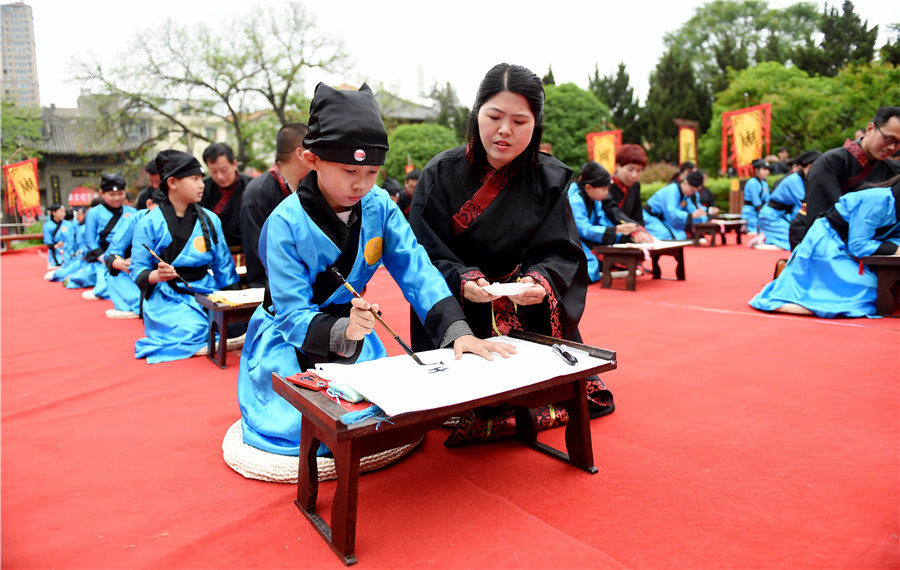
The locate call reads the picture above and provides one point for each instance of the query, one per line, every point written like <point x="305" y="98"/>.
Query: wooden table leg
<point x="211" y="336"/>
<point x="657" y="273"/>
<point x="606" y="278"/>
<point x="679" y="261"/>
<point x="884" y="302"/>
<point x="631" y="278"/>
<point x="308" y="471"/>
<point x="346" y="498"/>
<point x="737" y="232"/>
<point x="578" y="430"/>
<point x="222" y="325"/>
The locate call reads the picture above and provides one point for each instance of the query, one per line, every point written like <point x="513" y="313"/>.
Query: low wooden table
<point x="220" y="316"/>
<point x="720" y="228"/>
<point x="631" y="256"/>
<point x="321" y="423"/>
<point x="887" y="267"/>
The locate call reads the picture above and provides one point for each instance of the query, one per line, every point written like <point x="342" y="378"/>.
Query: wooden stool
<point x="631" y="256"/>
<point x="220" y="316"/>
<point x="887" y="267"/>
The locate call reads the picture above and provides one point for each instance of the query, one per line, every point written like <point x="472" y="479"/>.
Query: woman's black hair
<point x="515" y="79"/>
<point x="593" y="173"/>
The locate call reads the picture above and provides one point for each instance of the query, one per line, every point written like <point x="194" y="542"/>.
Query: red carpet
<point x="740" y="440"/>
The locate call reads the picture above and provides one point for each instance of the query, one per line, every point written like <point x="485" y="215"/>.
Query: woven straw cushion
<point x="254" y="463"/>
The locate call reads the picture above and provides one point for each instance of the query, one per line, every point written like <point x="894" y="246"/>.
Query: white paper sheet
<point x="241" y="296"/>
<point x="399" y="385"/>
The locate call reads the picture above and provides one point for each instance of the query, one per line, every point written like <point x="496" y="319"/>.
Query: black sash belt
<point x="189" y="274"/>
<point x="652" y="213"/>
<point x="779" y="206"/>
<point x="839" y="224"/>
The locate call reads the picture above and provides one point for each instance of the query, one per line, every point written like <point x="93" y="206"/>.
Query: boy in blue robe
<point x="670" y="213"/>
<point x="594" y="226"/>
<point x="59" y="236"/>
<point x="823" y="276"/>
<point x="80" y="273"/>
<point x="99" y="224"/>
<point x="784" y="203"/>
<point x="336" y="218"/>
<point x="190" y="243"/>
<point x="756" y="194"/>
<point x="123" y="291"/>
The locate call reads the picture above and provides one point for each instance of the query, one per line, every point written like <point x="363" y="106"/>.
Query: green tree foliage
<point x="730" y="34"/>
<point x="450" y="113"/>
<point x="625" y="111"/>
<point x="549" y="79"/>
<point x="846" y="40"/>
<point x="808" y="113"/>
<point x="890" y="52"/>
<point x="19" y="127"/>
<point x="570" y="113"/>
<point x="417" y="142"/>
<point x="674" y="94"/>
<point x="253" y="61"/>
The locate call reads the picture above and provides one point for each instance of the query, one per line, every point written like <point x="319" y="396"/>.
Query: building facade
<point x="19" y="64"/>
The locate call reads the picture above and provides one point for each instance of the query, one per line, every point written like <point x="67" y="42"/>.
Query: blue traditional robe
<point x="55" y="232"/>
<point x="123" y="291"/>
<point x="96" y="236"/>
<point x="669" y="213"/>
<point x="175" y="325"/>
<point x="594" y="227"/>
<point x="81" y="273"/>
<point x="298" y="245"/>
<point x="823" y="272"/>
<point x="756" y="194"/>
<point x="784" y="203"/>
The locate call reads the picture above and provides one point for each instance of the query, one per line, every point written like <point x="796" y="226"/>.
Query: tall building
<point x="19" y="77"/>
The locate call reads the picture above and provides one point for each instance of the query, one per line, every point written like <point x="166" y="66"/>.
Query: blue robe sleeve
<point x="120" y="241"/>
<point x="673" y="211"/>
<point x="91" y="229"/>
<point x="142" y="263"/>
<point x="865" y="212"/>
<point x="422" y="284"/>
<point x="588" y="230"/>
<point x="48" y="233"/>
<point x="282" y="245"/>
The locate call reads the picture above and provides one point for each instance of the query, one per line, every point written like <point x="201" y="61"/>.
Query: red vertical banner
<point x="745" y="133"/>
<point x="22" y="186"/>
<point x="602" y="146"/>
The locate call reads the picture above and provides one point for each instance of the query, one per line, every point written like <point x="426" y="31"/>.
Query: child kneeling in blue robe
<point x="195" y="258"/>
<point x="824" y="276"/>
<point x="336" y="218"/>
<point x="594" y="227"/>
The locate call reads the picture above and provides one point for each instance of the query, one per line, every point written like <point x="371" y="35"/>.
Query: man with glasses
<point x="845" y="169"/>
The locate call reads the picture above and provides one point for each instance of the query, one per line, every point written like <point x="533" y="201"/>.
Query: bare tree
<point x="251" y="63"/>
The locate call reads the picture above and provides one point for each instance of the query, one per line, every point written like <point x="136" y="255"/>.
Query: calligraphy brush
<point x="159" y="259"/>
<point x="399" y="340"/>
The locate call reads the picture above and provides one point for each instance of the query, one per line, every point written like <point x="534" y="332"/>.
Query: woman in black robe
<point x="496" y="210"/>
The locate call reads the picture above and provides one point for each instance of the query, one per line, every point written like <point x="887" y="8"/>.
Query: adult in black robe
<point x="497" y="210"/>
<point x="527" y="229"/>
<point x="845" y="169"/>
<point x="260" y="198"/>
<point x="226" y="202"/>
